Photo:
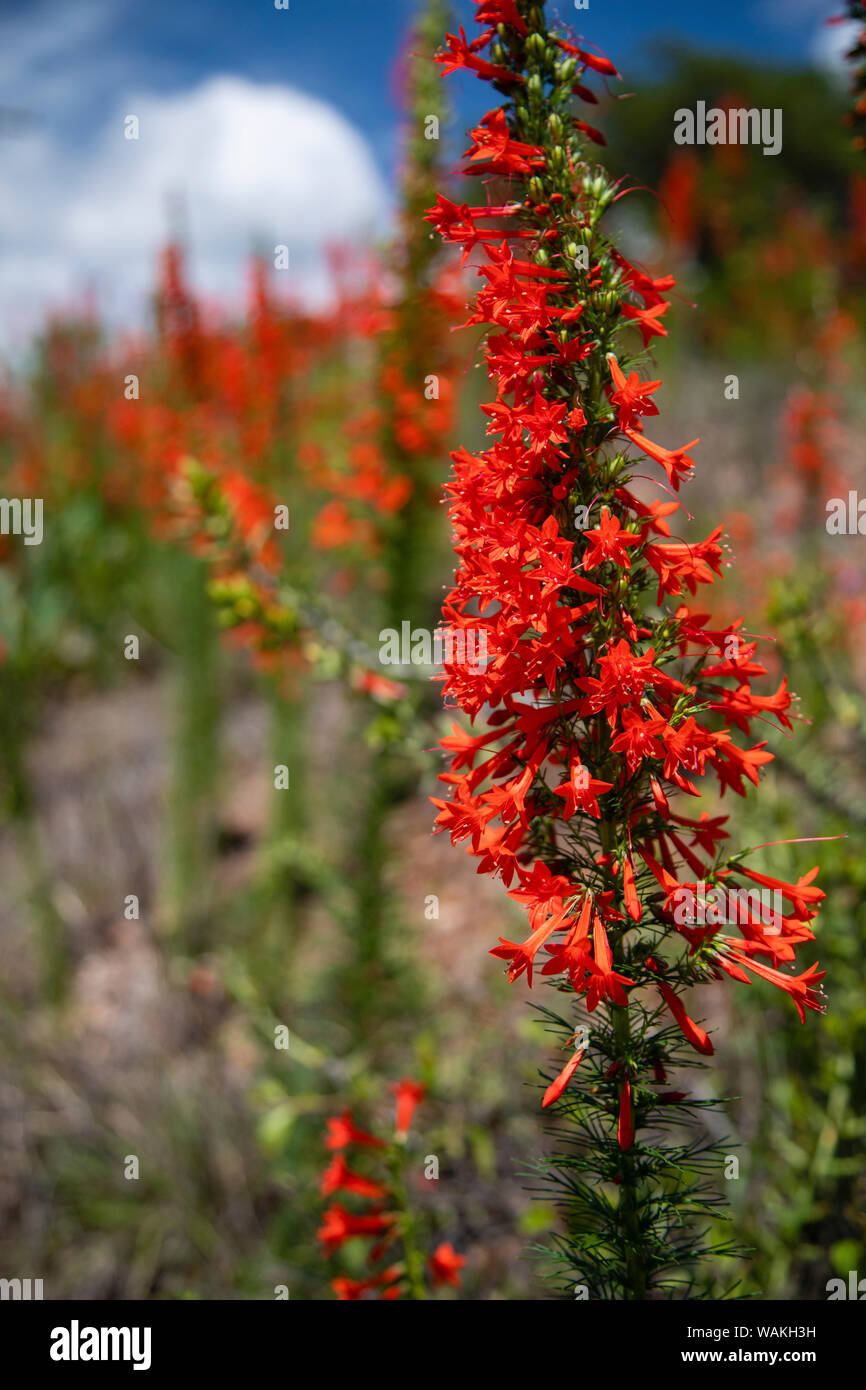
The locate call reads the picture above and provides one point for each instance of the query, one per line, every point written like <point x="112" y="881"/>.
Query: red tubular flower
<point x="339" y="1225"/>
<point x="350" y="1289"/>
<point x="460" y="55"/>
<point x="338" y="1176"/>
<point x="802" y="895"/>
<point x="495" y="12"/>
<point x="590" y="60"/>
<point x="802" y="988"/>
<point x="556" y="1087"/>
<point x="676" y="462"/>
<point x="625" y="1128"/>
<point x="581" y="791"/>
<point x="631" y="396"/>
<point x="647" y="319"/>
<point x="353" y="1290"/>
<point x="342" y="1132"/>
<point x="502" y="155"/>
<point x="609" y="542"/>
<point x="522" y="954"/>
<point x="631" y="899"/>
<point x="605" y="982"/>
<point x="408" y="1094"/>
<point x="446" y="1264"/>
<point x="696" y="1036"/>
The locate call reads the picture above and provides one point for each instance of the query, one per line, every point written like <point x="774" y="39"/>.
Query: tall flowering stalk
<point x="397" y="427"/>
<point x="416" y="366"/>
<point x="382" y="500"/>
<point x="607" y="697"/>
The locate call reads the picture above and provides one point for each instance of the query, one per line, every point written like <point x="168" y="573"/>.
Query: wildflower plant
<point x="609" y="697"/>
<point x="395" y="1264"/>
<point x="382" y="506"/>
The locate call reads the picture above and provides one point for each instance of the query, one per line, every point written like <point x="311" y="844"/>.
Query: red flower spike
<point x="588" y="742"/>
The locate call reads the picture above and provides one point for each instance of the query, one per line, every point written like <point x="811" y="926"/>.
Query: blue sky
<point x="343" y="52"/>
<point x="271" y="124"/>
<point x="355" y="72"/>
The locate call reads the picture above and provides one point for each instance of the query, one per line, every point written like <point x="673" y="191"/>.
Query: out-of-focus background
<point x="217" y="293"/>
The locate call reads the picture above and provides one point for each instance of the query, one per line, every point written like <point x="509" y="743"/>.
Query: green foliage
<point x="802" y="1210"/>
<point x="815" y="157"/>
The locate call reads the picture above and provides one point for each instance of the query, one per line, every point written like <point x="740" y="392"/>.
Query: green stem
<point x="628" y="1190"/>
<point x="196" y="759"/>
<point x="16" y="723"/>
<point x="370" y="946"/>
<point x="414" y="1260"/>
<point x="289" y="828"/>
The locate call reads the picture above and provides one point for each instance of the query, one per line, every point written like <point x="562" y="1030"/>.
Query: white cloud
<point x="252" y="164"/>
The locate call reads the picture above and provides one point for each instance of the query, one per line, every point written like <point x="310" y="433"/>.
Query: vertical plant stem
<point x="196" y="762"/>
<point x="289" y="824"/>
<point x="15" y="728"/>
<point x="411" y="351"/>
<point x="416" y="1288"/>
<point x="629" y="1195"/>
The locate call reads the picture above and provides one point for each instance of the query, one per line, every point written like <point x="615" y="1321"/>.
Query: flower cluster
<point x="229" y="522"/>
<point x="386" y="1219"/>
<point x="224" y="393"/>
<point x="608" y="695"/>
